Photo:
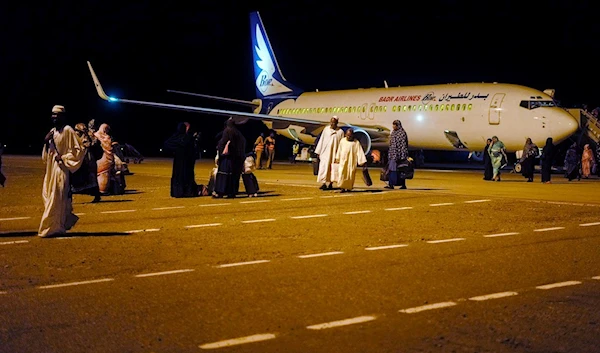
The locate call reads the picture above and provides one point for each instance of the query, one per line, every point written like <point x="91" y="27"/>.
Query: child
<point x="250" y="182"/>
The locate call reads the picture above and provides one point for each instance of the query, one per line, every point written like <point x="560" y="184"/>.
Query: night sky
<point x="140" y="50"/>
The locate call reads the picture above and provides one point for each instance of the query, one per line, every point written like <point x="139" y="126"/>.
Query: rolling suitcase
<point x="250" y="183"/>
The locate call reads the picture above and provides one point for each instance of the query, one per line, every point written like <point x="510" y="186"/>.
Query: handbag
<point x="366" y="177"/>
<point x="385" y="174"/>
<point x="405" y="169"/>
<point x="335" y="172"/>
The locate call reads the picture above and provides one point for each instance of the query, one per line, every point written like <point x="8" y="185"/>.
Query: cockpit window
<point x="537" y="104"/>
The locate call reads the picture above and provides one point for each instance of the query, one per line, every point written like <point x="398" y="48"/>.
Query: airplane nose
<point x="563" y="126"/>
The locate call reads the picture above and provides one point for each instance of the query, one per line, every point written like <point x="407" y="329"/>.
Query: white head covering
<point x="58" y="109"/>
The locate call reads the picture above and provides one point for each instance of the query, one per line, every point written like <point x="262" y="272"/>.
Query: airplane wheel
<point x="518" y="167"/>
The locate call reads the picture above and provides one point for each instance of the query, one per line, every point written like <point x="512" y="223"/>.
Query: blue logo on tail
<point x="269" y="80"/>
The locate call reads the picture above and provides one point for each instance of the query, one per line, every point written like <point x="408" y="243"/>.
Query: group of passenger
<point x="81" y="160"/>
<point x="340" y="155"/>
<point x="87" y="160"/>
<point x="231" y="163"/>
<point x="575" y="166"/>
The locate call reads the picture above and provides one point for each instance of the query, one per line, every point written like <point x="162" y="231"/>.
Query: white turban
<point x="58" y="109"/>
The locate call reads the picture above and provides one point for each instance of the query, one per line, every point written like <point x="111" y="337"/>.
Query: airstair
<point x="590" y="126"/>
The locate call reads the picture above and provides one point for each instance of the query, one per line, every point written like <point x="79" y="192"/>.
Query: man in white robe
<point x="350" y="154"/>
<point x="63" y="153"/>
<point x="326" y="149"/>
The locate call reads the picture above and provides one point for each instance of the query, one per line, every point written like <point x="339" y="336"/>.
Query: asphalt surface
<point x="453" y="264"/>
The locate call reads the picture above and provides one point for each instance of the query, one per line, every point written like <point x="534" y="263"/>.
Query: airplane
<point x="443" y="117"/>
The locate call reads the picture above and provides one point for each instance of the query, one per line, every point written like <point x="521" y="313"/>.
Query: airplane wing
<point x="312" y="125"/>
<point x="252" y="104"/>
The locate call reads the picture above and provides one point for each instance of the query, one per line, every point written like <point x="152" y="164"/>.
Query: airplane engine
<point x="362" y="136"/>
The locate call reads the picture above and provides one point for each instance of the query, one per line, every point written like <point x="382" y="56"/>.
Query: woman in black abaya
<point x="181" y="144"/>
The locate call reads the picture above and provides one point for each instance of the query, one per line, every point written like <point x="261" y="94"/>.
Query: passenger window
<point x="414" y="108"/>
<point x="452" y="107"/>
<point x="470" y="106"/>
<point x="420" y="107"/>
<point x="441" y="107"/>
<point x="458" y="107"/>
<point x="436" y="107"/>
<point x="464" y="107"/>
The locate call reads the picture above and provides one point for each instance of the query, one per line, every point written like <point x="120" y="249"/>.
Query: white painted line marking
<point x="215" y="204"/>
<point x="204" y="225"/>
<point x="321" y="254"/>
<point x="345" y="195"/>
<point x="164" y="273"/>
<point x="79" y="214"/>
<point x="76" y="283"/>
<point x="357" y="212"/>
<point x="257" y="201"/>
<point x="142" y="230"/>
<point x="167" y="208"/>
<point x="14" y="242"/>
<point x="548" y="229"/>
<point x="477" y="201"/>
<point x="493" y="296"/>
<point x="500" y="235"/>
<point x="120" y="211"/>
<point x="441" y="204"/>
<point x="309" y="216"/>
<point x="589" y="224"/>
<point x="558" y="285"/>
<point x="352" y="321"/>
<point x="236" y="341"/>
<point x="298" y="199"/>
<point x="3" y="292"/>
<point x="596" y="277"/>
<point x="243" y="263"/>
<point x="327" y="197"/>
<point x="387" y="247"/>
<point x="445" y="240"/>
<point x="427" y="307"/>
<point x="398" y="208"/>
<point x="298" y="185"/>
<point x="13" y="219"/>
<point x="259" y="220"/>
<point x="63" y="238"/>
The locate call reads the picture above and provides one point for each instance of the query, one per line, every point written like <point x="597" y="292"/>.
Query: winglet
<point x="99" y="86"/>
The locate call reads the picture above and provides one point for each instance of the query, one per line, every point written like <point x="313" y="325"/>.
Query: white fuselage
<point x="473" y="111"/>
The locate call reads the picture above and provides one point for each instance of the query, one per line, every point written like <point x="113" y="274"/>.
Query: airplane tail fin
<point x="270" y="82"/>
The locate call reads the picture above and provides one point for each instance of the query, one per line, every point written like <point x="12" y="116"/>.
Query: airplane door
<point x="363" y="112"/>
<point x="371" y="113"/>
<point x="496" y="108"/>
